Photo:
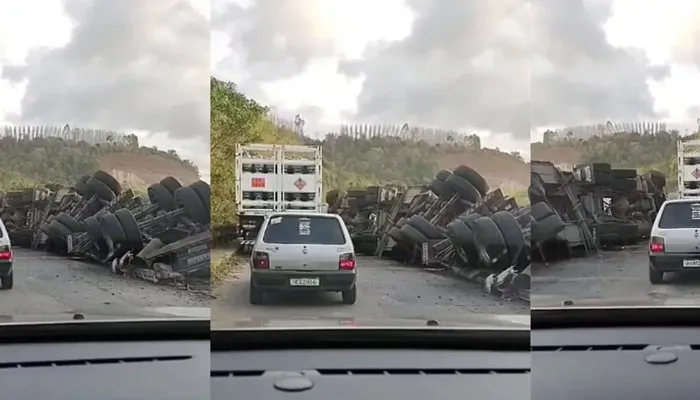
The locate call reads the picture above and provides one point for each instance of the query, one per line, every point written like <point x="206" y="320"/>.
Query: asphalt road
<point x="46" y="284"/>
<point x="387" y="290"/>
<point x="620" y="274"/>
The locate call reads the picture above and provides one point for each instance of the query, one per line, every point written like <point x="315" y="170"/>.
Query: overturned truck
<point x="454" y="223"/>
<point x="165" y="237"/>
<point x="593" y="206"/>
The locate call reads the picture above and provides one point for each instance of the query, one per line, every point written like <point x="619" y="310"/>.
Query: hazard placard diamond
<point x="300" y="184"/>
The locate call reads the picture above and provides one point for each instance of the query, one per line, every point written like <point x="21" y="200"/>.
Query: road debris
<point x="163" y="239"/>
<point x="453" y="224"/>
<point x="591" y="208"/>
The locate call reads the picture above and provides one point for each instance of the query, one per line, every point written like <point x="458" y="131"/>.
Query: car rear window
<point x="680" y="215"/>
<point x="2" y="228"/>
<point x="294" y="229"/>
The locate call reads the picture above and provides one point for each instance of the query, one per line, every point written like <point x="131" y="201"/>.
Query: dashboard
<point x="627" y="353"/>
<point x="105" y="370"/>
<point x="616" y="363"/>
<point x="370" y="372"/>
<point x="124" y="360"/>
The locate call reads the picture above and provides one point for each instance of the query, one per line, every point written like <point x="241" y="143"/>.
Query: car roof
<point x="686" y="200"/>
<point x="303" y="214"/>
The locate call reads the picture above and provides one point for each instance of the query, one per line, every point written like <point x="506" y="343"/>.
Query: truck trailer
<point x="275" y="178"/>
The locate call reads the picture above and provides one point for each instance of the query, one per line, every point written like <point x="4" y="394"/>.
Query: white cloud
<point x="310" y="45"/>
<point x="586" y="61"/>
<point x="130" y="66"/>
<point x="664" y="30"/>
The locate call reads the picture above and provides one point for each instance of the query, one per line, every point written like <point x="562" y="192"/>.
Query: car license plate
<point x="691" y="263"/>
<point x="304" y="281"/>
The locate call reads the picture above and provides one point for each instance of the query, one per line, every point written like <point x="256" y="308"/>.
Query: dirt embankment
<point x="141" y="170"/>
<point x="555" y="154"/>
<point x="500" y="170"/>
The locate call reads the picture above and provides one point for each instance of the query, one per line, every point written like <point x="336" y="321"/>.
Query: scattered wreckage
<point x="163" y="238"/>
<point x="454" y="224"/>
<point x="590" y="208"/>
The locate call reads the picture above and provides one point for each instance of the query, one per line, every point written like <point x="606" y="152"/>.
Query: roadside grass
<point x="223" y="263"/>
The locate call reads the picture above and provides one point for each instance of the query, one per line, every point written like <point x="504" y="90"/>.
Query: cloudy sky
<point x="127" y="65"/>
<point x="504" y="68"/>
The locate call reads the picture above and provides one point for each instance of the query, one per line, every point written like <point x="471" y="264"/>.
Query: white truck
<point x="688" y="168"/>
<point x="275" y="178"/>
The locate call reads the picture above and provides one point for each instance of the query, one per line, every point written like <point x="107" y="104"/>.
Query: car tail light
<point x="261" y="260"/>
<point x="5" y="253"/>
<point x="347" y="261"/>
<point x="656" y="245"/>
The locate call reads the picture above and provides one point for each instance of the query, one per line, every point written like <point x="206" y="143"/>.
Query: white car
<point x="303" y="251"/>
<point x="6" y="259"/>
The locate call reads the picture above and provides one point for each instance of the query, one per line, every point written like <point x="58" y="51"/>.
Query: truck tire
<point x="204" y="192"/>
<point x="490" y="243"/>
<point x="465" y="189"/>
<point x="70" y="222"/>
<point x="395" y="233"/>
<point x="473" y="177"/>
<point x="111" y="228"/>
<point x="171" y="183"/>
<point x="469" y="219"/>
<point x="57" y="231"/>
<point x="132" y="233"/>
<point x="81" y="189"/>
<point x="462" y="239"/>
<point x="441" y="189"/>
<point x="442" y="175"/>
<point x="546" y="229"/>
<point x="100" y="189"/>
<point x="412" y="235"/>
<point x="514" y="238"/>
<point x="536" y="188"/>
<point x="93" y="229"/>
<point x="161" y="196"/>
<point x="540" y="211"/>
<point x="108" y="180"/>
<point x="424" y="226"/>
<point x="187" y="199"/>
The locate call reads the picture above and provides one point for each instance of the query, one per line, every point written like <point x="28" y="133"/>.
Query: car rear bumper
<point x="672" y="262"/>
<point x="5" y="268"/>
<point x="281" y="280"/>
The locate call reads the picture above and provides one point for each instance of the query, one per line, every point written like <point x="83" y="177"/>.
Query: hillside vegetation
<point x="621" y="150"/>
<point x="348" y="162"/>
<point x="36" y="162"/>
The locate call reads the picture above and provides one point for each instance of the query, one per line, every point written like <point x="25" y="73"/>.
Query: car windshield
<point x="606" y="170"/>
<point x="415" y="135"/>
<point x="294" y="229"/>
<point x="104" y="163"/>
